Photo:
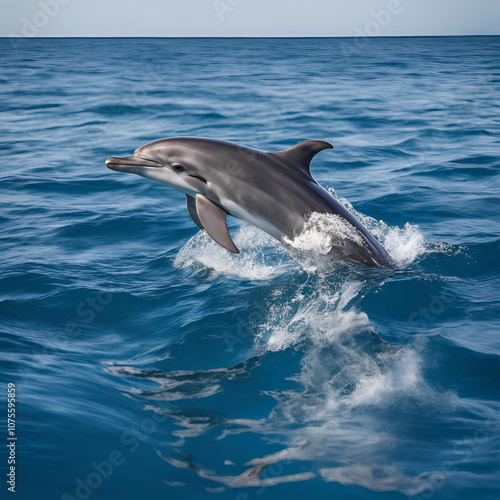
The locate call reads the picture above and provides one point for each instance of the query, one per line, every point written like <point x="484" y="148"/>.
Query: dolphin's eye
<point x="177" y="167"/>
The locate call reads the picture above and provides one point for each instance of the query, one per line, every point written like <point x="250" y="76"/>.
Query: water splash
<point x="264" y="258"/>
<point x="405" y="244"/>
<point x="322" y="232"/>
<point x="261" y="257"/>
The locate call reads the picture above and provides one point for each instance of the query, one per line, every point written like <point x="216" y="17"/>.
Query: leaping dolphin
<point x="272" y="191"/>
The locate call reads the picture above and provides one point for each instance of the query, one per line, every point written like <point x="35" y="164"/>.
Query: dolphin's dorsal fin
<point x="300" y="155"/>
<point x="191" y="205"/>
<point x="213" y="219"/>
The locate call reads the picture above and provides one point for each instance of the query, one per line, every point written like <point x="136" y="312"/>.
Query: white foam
<point x="320" y="316"/>
<point x="261" y="257"/>
<point x="399" y="375"/>
<point x="405" y="245"/>
<point x="322" y="231"/>
<point x="326" y="318"/>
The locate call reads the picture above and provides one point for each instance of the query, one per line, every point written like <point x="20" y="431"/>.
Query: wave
<point x="348" y="381"/>
<point x="352" y="392"/>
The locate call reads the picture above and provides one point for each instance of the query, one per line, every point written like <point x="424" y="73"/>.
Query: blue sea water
<point x="151" y="363"/>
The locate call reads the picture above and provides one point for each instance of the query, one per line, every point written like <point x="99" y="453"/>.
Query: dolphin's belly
<point x="254" y="219"/>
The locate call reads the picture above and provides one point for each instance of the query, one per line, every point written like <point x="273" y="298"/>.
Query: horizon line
<point x="246" y="37"/>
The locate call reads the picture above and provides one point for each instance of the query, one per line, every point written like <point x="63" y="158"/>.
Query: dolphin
<point x="272" y="191"/>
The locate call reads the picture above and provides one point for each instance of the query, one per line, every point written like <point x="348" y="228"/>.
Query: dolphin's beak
<point x="130" y="163"/>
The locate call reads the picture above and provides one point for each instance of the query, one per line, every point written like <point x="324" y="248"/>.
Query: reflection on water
<point x="184" y="384"/>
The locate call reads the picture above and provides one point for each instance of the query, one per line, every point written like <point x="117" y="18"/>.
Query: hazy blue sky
<point x="248" y="17"/>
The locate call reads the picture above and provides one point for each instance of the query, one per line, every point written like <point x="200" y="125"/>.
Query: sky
<point x="169" y="18"/>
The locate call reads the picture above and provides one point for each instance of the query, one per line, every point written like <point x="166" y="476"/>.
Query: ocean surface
<point x="151" y="363"/>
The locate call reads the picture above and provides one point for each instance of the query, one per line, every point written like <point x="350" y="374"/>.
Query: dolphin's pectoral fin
<point x="191" y="206"/>
<point x="299" y="156"/>
<point x="213" y="219"/>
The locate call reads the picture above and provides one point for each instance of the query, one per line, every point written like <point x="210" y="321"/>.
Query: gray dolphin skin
<point x="272" y="191"/>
